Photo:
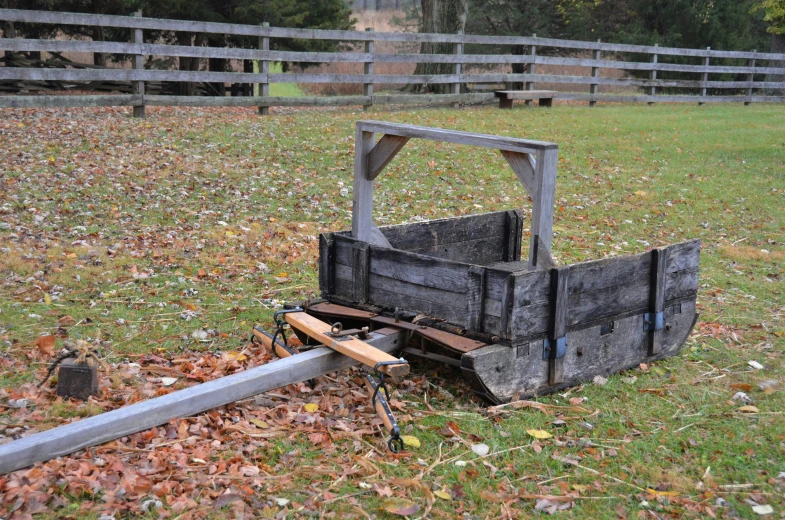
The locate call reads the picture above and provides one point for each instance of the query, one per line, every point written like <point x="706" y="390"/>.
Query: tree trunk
<point x="186" y="88"/>
<point x="519" y="68"/>
<point x="217" y="65"/>
<point x="445" y="17"/>
<point x="777" y="46"/>
<point x="99" y="58"/>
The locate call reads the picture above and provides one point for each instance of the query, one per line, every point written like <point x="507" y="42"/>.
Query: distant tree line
<point x="719" y="24"/>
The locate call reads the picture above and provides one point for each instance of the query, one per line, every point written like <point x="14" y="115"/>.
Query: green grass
<point x="200" y="199"/>
<point x="283" y="89"/>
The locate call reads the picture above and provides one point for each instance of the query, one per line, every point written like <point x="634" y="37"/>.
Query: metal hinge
<point x="561" y="347"/>
<point x="653" y="321"/>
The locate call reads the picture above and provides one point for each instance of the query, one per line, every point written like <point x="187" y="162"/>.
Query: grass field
<point x="166" y="239"/>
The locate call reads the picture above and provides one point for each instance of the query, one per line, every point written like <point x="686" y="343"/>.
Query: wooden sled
<point x="539" y="327"/>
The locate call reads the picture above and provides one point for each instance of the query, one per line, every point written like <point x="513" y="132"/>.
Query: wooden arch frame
<point x="534" y="163"/>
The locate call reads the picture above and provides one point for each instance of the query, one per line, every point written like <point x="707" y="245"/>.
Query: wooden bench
<point x="506" y="97"/>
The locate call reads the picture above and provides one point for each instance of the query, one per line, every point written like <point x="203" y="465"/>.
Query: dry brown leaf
<point x="46" y="344"/>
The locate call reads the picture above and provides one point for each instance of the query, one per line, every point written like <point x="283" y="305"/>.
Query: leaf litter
<point x="130" y="239"/>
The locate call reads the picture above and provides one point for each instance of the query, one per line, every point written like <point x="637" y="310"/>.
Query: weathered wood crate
<point x="550" y="326"/>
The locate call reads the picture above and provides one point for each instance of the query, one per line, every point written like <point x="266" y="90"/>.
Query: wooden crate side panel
<point x="605" y="288"/>
<point x="478" y="251"/>
<point x="522" y="371"/>
<point x="408" y="237"/>
<point x="531" y="303"/>
<point x="388" y="292"/>
<point x="344" y="266"/>
<point x="420" y="269"/>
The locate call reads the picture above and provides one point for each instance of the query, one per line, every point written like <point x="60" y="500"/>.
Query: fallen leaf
<point x="539" y="434"/>
<point x="411" y="440"/>
<point x="400" y="506"/>
<point x="46" y="344"/>
<point x="480" y="449"/>
<point x="755" y="365"/>
<point x="201" y="273"/>
<point x="443" y="495"/>
<point x="450" y="429"/>
<point x="168" y="381"/>
<point x="66" y="321"/>
<point x="226" y="499"/>
<point x="237" y="356"/>
<point x="763" y="509"/>
<point x="259" y="423"/>
<point x="749" y="409"/>
<point x="599" y="380"/>
<point x="311" y="407"/>
<point x="47" y="299"/>
<point x="575" y="401"/>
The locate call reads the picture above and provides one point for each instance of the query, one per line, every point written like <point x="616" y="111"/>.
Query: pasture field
<point x="165" y="240"/>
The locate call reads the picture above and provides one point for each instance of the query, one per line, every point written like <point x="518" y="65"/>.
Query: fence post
<point x="137" y="63"/>
<point x="532" y="69"/>
<point x="368" y="70"/>
<point x="653" y="75"/>
<point x="751" y="79"/>
<point x="595" y="72"/>
<point x="705" y="79"/>
<point x="457" y="49"/>
<point x="264" y="88"/>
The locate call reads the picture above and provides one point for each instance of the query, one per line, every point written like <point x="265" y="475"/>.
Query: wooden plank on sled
<point x="354" y="348"/>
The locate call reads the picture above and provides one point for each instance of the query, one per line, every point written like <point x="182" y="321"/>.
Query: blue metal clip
<point x="561" y="347"/>
<point x="653" y="321"/>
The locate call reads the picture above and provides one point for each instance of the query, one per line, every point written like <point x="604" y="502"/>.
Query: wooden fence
<point x="748" y="70"/>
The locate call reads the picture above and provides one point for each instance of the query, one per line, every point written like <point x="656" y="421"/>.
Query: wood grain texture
<point x="96" y="430"/>
<point x="475" y="299"/>
<point x="498" y="374"/>
<point x="454" y="136"/>
<point x="362" y="202"/>
<point x="543" y="200"/>
<point x="433" y="233"/>
<point x="420" y="269"/>
<point x="557" y="328"/>
<point x="479" y="251"/>
<point x="390" y="293"/>
<point x="507" y="306"/>
<point x="513" y="226"/>
<point x="326" y="264"/>
<point x="383" y="152"/>
<point x="523" y="166"/>
<point x="356" y="349"/>
<point x="602" y="288"/>
<point x="361" y="271"/>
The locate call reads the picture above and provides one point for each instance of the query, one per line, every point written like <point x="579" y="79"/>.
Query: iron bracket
<point x="561" y="347"/>
<point x="653" y="321"/>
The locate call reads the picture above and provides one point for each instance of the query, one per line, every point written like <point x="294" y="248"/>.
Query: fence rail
<point x="768" y="67"/>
